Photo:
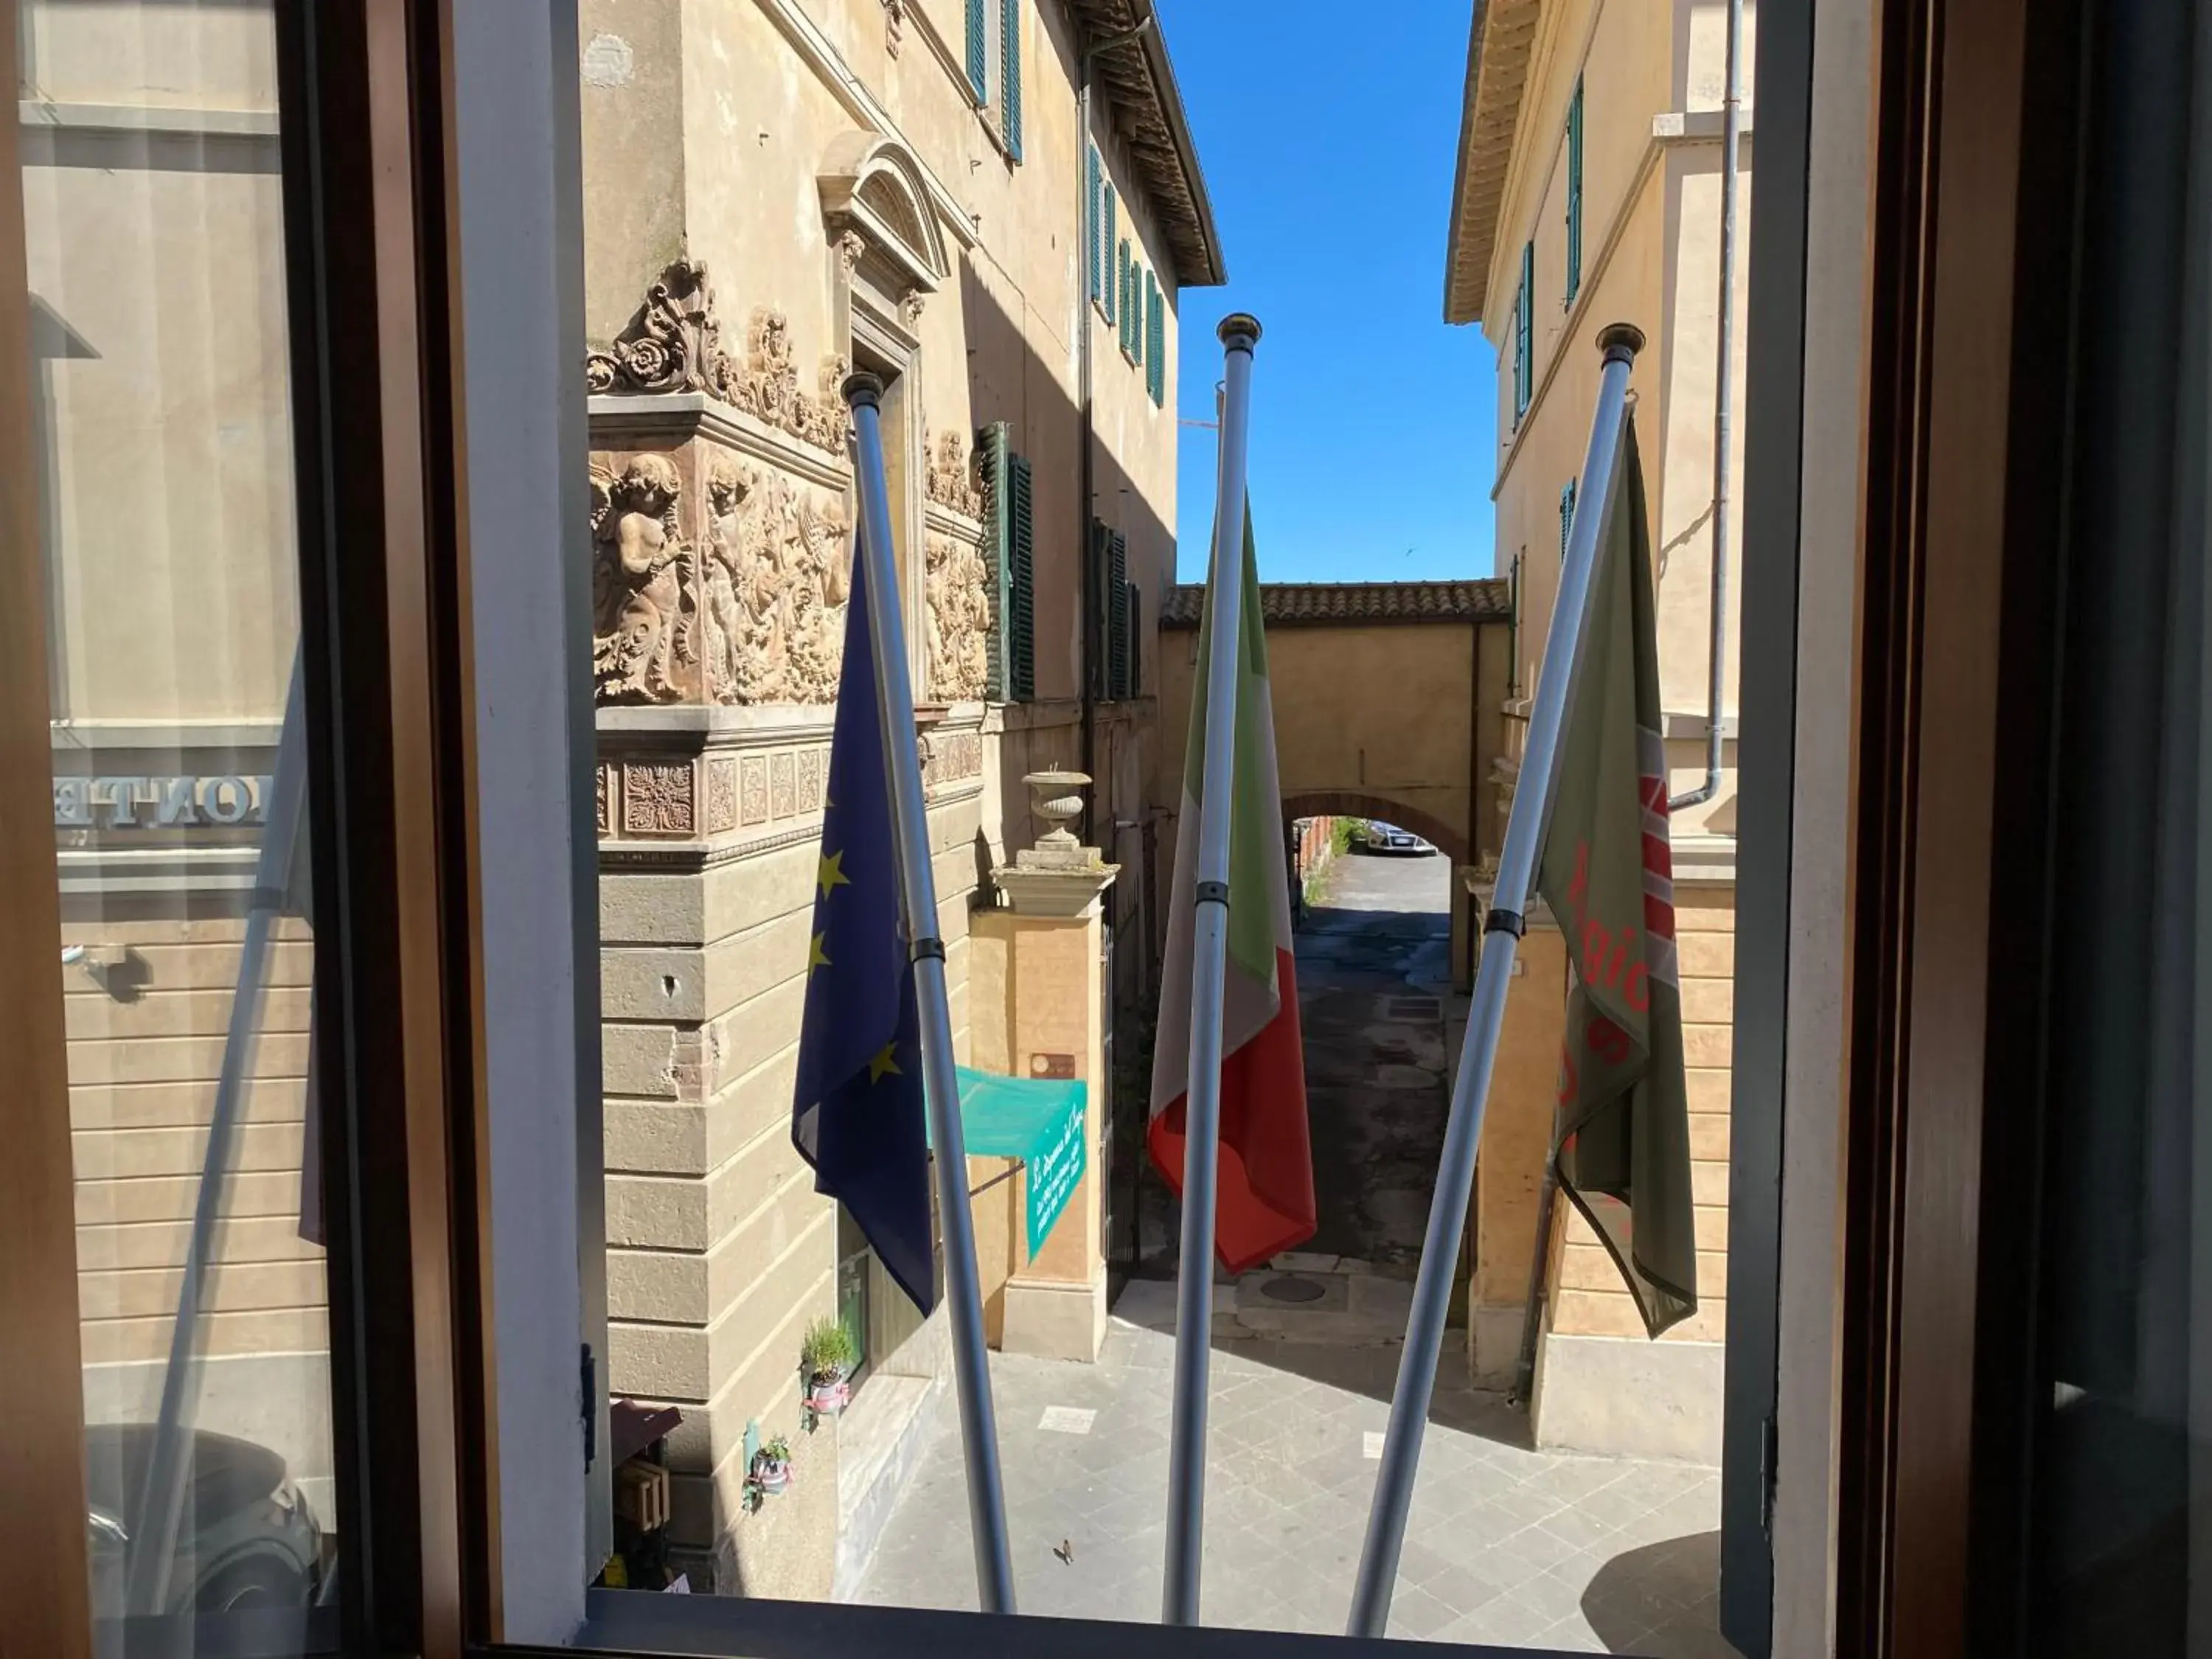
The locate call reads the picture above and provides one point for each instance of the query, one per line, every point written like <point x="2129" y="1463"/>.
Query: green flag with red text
<point x="1620" y="1140"/>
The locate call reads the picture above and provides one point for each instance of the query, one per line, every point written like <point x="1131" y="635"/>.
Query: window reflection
<point x="162" y="424"/>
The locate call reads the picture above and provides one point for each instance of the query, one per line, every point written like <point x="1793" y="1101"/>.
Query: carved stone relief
<point x="812" y="763"/>
<point x="894" y="25"/>
<point x="606" y="817"/>
<point x="782" y="785"/>
<point x="950" y="480"/>
<point x="674" y="343"/>
<point x="657" y="799"/>
<point x="639" y="580"/>
<point x="959" y="622"/>
<point x="753" y="612"/>
<point x="753" y="789"/>
<point x="721" y="794"/>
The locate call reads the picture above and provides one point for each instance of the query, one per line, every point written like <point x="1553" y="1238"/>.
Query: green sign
<point x="1040" y="1121"/>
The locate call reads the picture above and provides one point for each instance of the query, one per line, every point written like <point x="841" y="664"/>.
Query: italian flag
<point x="1265" y="1184"/>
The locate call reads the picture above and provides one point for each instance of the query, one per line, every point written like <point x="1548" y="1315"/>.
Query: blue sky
<point x="1327" y="136"/>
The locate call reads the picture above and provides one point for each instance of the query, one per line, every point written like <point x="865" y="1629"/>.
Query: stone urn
<point x="1056" y="799"/>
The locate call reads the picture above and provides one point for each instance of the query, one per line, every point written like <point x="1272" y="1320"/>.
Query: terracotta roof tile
<point x="1305" y="604"/>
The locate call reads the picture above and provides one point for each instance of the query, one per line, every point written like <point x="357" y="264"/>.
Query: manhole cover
<point x="1415" y="1008"/>
<point x="1286" y="1288"/>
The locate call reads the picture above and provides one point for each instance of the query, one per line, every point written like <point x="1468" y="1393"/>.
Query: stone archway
<point x="1351" y="803"/>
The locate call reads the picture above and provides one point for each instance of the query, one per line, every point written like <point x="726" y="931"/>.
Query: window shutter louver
<point x="1566" y="518"/>
<point x="1524" y="334"/>
<point x="1094" y="211"/>
<point x="1117" y="591"/>
<point x="978" y="51"/>
<point x="1156" y="341"/>
<point x="1009" y="76"/>
<point x="991" y="451"/>
<point x="1575" y="193"/>
<point x="1106" y="252"/>
<point x="1021" y="634"/>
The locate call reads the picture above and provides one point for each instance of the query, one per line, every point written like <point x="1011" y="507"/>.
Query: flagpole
<point x="1210" y="928"/>
<point x="979" y="1431"/>
<point x="1516" y="872"/>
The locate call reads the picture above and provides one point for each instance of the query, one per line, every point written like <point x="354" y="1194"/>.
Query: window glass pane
<point x="157" y="289"/>
<point x="782" y="1459"/>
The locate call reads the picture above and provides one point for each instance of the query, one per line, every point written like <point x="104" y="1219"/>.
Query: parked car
<point x="1389" y="838"/>
<point x="248" y="1539"/>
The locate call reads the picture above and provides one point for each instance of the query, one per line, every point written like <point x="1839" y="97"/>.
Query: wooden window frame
<point x="1977" y="108"/>
<point x="373" y="330"/>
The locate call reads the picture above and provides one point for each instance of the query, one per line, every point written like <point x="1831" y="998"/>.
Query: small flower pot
<point x="771" y="1475"/>
<point x="827" y="1393"/>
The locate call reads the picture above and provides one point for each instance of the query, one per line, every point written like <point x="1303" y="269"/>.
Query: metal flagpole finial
<point x="863" y="389"/>
<point x="1619" y="343"/>
<point x="1239" y="330"/>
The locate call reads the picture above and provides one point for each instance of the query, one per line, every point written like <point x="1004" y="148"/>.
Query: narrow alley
<point x="1507" y="1545"/>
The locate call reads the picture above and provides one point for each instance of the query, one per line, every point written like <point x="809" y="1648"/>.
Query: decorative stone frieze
<point x="674" y="343"/>
<point x="951" y="477"/>
<point x="958" y="623"/>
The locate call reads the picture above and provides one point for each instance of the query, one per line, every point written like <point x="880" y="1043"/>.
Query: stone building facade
<point x="778" y="192"/>
<point x="1588" y="192"/>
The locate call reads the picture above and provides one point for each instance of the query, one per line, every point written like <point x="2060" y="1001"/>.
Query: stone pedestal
<point x="1038" y="1012"/>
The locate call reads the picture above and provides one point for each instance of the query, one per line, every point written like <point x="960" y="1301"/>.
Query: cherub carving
<point x="638" y="582"/>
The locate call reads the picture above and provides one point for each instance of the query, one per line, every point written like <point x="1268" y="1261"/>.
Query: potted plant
<point x="827" y="1355"/>
<point x="771" y="1470"/>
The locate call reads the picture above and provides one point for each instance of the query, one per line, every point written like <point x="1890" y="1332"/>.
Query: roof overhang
<point x="1136" y="75"/>
<point x="1500" y="43"/>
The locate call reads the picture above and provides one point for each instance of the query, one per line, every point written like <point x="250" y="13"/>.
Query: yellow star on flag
<point x="816" y="956"/>
<point x="882" y="1063"/>
<point x="831" y="872"/>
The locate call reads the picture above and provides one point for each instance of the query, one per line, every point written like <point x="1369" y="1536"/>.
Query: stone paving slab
<point x="1504" y="1544"/>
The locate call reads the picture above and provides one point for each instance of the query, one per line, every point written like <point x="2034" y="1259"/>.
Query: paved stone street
<point x="1506" y="1545"/>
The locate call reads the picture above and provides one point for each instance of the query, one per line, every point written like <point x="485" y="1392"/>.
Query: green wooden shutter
<point x="1156" y="341"/>
<point x="991" y="462"/>
<point x="1021" y="633"/>
<point x="1117" y="592"/>
<point x="1129" y="291"/>
<point x="1009" y="72"/>
<point x="979" y="57"/>
<point x="1524" y="334"/>
<point x="1566" y="518"/>
<point x="1106" y="252"/>
<point x="1094" y="213"/>
<point x="1575" y="193"/>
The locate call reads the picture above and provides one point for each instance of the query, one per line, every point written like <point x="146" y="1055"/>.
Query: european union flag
<point x="858" y="1115"/>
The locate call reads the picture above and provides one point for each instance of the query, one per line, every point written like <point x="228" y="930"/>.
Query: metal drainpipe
<point x="1724" y="408"/>
<point x="1086" y="434"/>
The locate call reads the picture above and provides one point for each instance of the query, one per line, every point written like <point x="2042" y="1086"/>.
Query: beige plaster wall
<point x="160" y="407"/>
<point x="1381" y="712"/>
<point x="1650" y="257"/>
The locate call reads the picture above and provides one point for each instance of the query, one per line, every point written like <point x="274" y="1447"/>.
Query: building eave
<point x="1501" y="41"/>
<point x="1355" y="605"/>
<point x="1137" y="76"/>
